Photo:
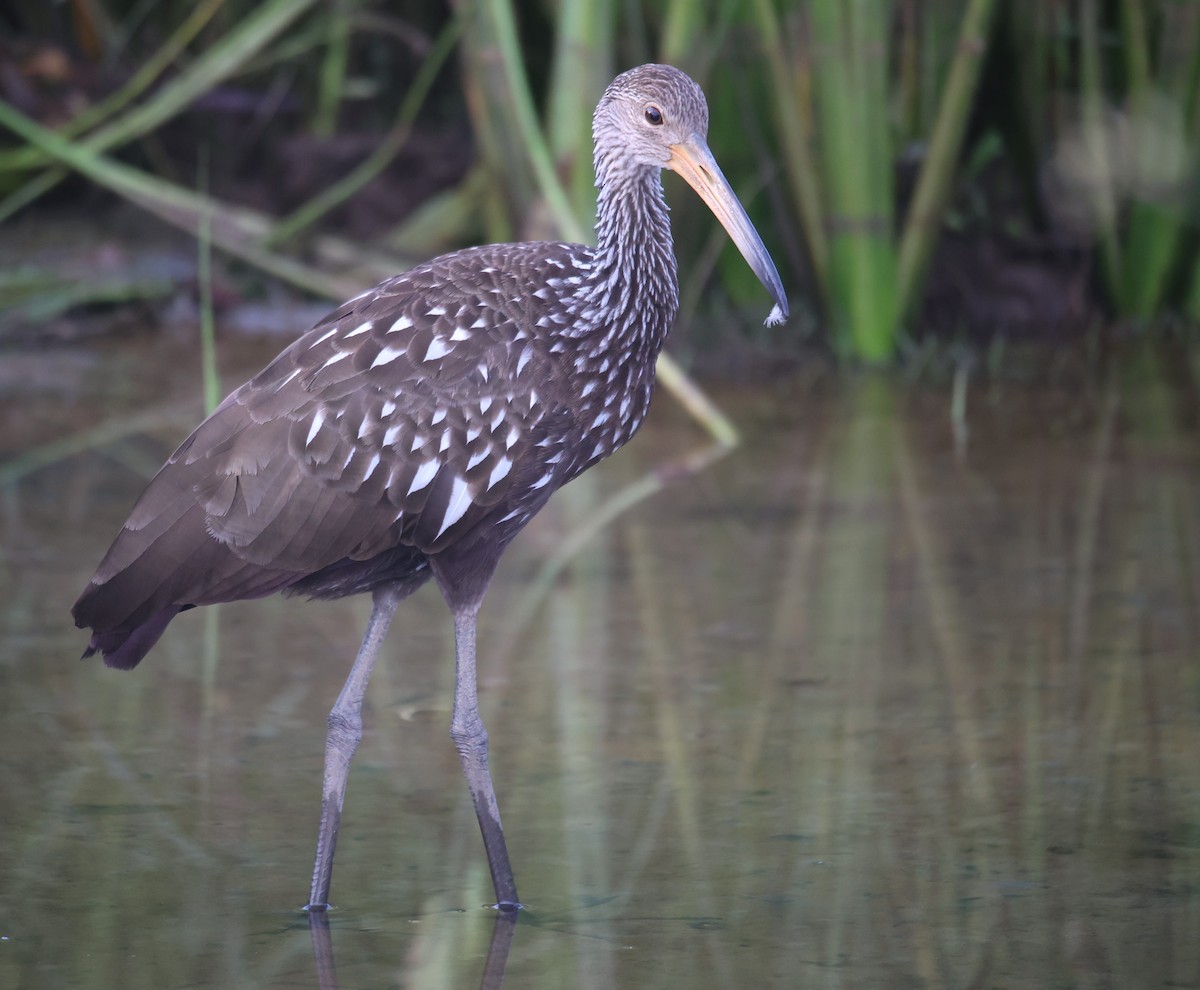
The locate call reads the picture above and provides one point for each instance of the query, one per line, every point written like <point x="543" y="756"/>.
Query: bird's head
<point x="646" y="111"/>
<point x="656" y="117"/>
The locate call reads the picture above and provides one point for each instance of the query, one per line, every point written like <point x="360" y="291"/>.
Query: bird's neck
<point x="633" y="284"/>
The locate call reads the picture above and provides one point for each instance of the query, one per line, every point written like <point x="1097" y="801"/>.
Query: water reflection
<point x="503" y="929"/>
<point x="850" y="708"/>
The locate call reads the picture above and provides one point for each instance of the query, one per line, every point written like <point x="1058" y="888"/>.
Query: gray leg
<point x="471" y="741"/>
<point x="345" y="731"/>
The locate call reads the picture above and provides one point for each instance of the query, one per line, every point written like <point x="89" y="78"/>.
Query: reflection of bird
<point x="417" y="429"/>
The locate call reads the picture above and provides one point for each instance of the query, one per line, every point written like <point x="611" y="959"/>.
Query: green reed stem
<point x="391" y="144"/>
<point x="936" y="181"/>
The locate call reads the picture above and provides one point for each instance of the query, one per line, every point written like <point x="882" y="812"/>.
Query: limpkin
<point x="413" y="433"/>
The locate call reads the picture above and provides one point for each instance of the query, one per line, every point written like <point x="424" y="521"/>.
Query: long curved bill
<point x="692" y="160"/>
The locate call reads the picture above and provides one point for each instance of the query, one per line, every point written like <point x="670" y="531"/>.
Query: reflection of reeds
<point x="850" y="707"/>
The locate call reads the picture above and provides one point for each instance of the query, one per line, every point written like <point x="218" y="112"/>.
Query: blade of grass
<point x="145" y="76"/>
<point x="935" y="182"/>
<point x="791" y="82"/>
<point x="444" y="219"/>
<point x="850" y="83"/>
<point x="1096" y="142"/>
<point x="583" y="65"/>
<point x="1158" y="109"/>
<point x="235" y="230"/>
<point x="208" y="347"/>
<point x="217" y="63"/>
<point x="332" y="77"/>
<point x="525" y="118"/>
<point x="387" y="149"/>
<point x="693" y="36"/>
<point x="507" y="180"/>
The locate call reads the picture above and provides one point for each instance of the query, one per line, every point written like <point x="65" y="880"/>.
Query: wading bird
<point x="415" y="431"/>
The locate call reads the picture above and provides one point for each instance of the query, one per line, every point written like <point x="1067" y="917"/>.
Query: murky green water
<point x="862" y="705"/>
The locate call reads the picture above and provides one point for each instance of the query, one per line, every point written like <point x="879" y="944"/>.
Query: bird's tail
<point x="124" y="649"/>
<point x="154" y="572"/>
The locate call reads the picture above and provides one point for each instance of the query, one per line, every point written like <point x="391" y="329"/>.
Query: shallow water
<point x="868" y="702"/>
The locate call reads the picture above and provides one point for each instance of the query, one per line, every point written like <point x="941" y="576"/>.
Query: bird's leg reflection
<point x="497" y="958"/>
<point x="322" y="944"/>
<point x="503" y="930"/>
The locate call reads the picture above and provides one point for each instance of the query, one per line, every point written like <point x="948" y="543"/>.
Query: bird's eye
<point x="654" y="115"/>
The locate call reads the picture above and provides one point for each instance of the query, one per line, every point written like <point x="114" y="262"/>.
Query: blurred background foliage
<point x="914" y="165"/>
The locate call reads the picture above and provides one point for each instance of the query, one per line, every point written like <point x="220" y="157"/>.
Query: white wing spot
<point x="372" y="466"/>
<point x="543" y="481"/>
<point x="456" y="508"/>
<point x="423" y="476"/>
<point x="290" y="376"/>
<point x="387" y="408"/>
<point x="483" y="371"/>
<point x="436" y="311"/>
<point x="444" y="445"/>
<point x="478" y="458"/>
<point x="485" y="404"/>
<point x="499" y="472"/>
<point x="513" y="436"/>
<point x="392" y="435"/>
<point x="386" y="355"/>
<point x="473" y="432"/>
<point x="417" y="444"/>
<point x="461" y="333"/>
<point x="359" y="330"/>
<point x="438" y="416"/>
<point x="438" y="348"/>
<point x="325" y="336"/>
<point x="318" y="421"/>
<point x="524" y="359"/>
<point x="337" y="356"/>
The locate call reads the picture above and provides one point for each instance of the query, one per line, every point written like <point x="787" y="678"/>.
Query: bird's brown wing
<point x="394" y="421"/>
